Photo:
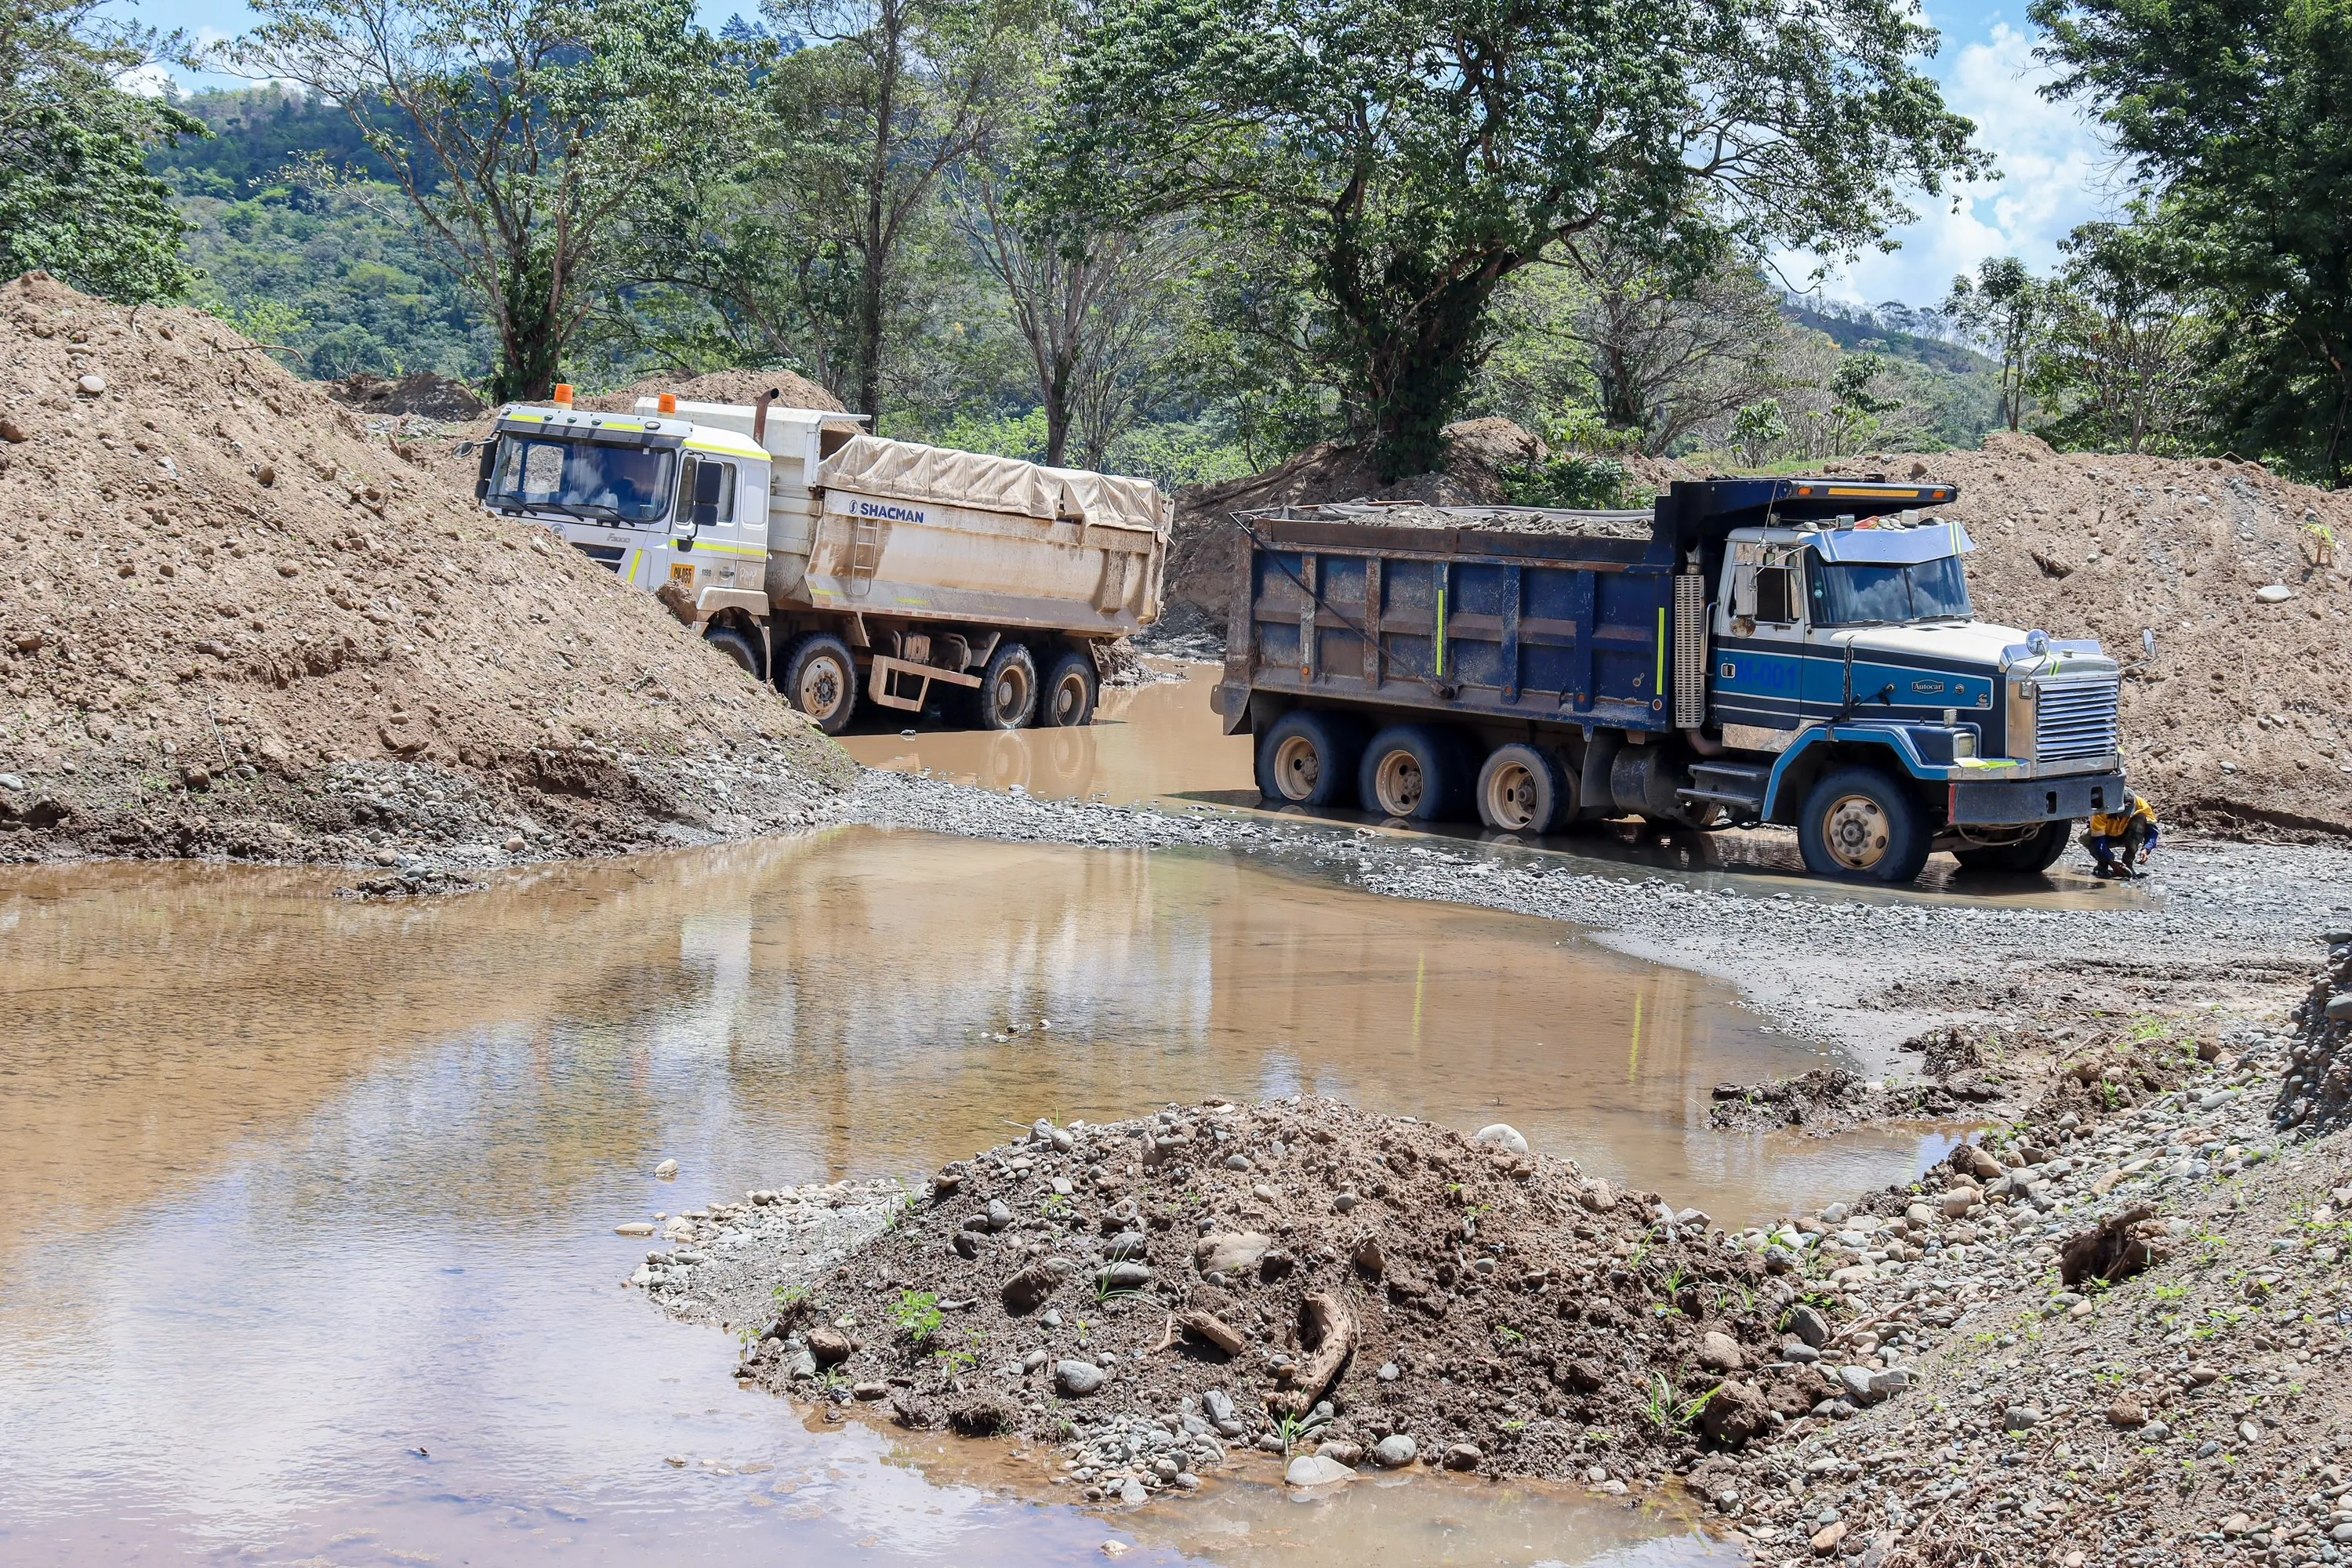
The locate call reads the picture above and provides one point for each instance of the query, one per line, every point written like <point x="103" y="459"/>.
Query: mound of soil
<point x="2244" y="724"/>
<point x="719" y="386"/>
<point x="1301" y="1270"/>
<point x="423" y="396"/>
<point x="236" y="624"/>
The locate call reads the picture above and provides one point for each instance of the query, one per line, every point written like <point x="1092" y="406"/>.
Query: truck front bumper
<point x="2009" y="803"/>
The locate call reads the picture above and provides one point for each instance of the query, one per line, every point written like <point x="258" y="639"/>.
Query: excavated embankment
<point x="232" y="623"/>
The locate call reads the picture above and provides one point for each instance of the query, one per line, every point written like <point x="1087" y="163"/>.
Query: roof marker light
<point x="563" y="394"/>
<point x="668" y="402"/>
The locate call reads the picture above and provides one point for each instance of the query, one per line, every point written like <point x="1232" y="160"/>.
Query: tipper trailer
<point x="834" y="563"/>
<point x="1800" y="651"/>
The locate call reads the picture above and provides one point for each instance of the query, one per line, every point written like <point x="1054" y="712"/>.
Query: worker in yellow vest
<point x="2131" y="830"/>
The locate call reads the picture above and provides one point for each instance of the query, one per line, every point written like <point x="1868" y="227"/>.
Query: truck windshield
<point x="586" y="478"/>
<point x="1846" y="594"/>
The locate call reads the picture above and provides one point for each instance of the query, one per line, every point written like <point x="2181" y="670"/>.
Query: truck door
<point x="1759" y="654"/>
<point x="720" y="537"/>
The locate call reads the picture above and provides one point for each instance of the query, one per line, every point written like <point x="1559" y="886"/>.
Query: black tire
<point x="1072" y="685"/>
<point x="2029" y="856"/>
<point x="820" y="679"/>
<point x="1310" y="758"/>
<point x="1525" y="789"/>
<point x="1007" y="696"/>
<point x="1418" y="772"/>
<point x="1860" y="826"/>
<point x="741" y="647"/>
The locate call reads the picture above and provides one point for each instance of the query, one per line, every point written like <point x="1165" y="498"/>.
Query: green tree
<point x="2127" y="340"/>
<point x="1758" y="431"/>
<point x="2239" y="116"/>
<point x="523" y="133"/>
<point x="1402" y="158"/>
<point x="2002" y="309"/>
<point x="75" y="197"/>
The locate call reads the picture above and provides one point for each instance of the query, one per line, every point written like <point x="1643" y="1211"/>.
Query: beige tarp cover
<point x="871" y="465"/>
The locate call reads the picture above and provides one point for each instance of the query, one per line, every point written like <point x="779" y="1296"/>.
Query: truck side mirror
<point x="1743" y="593"/>
<point x="707" y="479"/>
<point x="485" y="470"/>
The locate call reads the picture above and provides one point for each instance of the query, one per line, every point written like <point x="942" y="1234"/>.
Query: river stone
<point x="1217" y="1404"/>
<point x="1393" y="1452"/>
<point x="966" y="1244"/>
<point x="1856" y="1381"/>
<point x="1238" y="1163"/>
<point x="802" y="1367"/>
<point x="1718" y="1351"/>
<point x="999" y="1217"/>
<point x="666" y="1169"/>
<point x="2339" y="1008"/>
<point x="1338" y="1450"/>
<point x="1463" y="1456"/>
<point x="1230" y="1252"/>
<point x="1027" y="1290"/>
<point x="1125" y="1276"/>
<point x="1130" y="1491"/>
<point x="1599" y="1196"/>
<point x="1126" y="1244"/>
<point x="1315" y="1470"/>
<point x="1077" y="1378"/>
<point x="635" y="1228"/>
<point x="1809" y="1326"/>
<point x="2273" y="592"/>
<point x="1502" y="1135"/>
<point x="830" y="1346"/>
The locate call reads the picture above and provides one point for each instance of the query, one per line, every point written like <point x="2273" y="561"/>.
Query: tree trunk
<point x="1418" y="372"/>
<point x="1057" y="409"/>
<point x="874" y="276"/>
<point x="530" y="337"/>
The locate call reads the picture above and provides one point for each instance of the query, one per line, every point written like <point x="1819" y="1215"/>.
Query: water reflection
<point x="294" y="1186"/>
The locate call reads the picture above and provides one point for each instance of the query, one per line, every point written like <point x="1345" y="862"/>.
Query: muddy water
<point x="305" y="1205"/>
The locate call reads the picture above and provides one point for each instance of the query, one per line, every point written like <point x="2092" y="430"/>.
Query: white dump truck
<point x="834" y="563"/>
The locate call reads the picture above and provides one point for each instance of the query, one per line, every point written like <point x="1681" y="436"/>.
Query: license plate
<point x="681" y="572"/>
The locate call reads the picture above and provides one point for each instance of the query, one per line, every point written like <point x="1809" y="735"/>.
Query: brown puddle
<point x="294" y="1186"/>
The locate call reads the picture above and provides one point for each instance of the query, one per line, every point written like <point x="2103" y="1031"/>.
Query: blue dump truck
<point x="1800" y="651"/>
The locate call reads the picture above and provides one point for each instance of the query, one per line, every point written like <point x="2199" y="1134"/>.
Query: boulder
<point x="1077" y="1378"/>
<point x="1233" y="1252"/>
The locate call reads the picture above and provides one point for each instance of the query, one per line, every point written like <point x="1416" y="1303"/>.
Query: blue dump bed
<point x="1554" y="625"/>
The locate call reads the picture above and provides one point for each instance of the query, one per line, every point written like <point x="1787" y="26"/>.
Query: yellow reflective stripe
<point x="1441" y="632"/>
<point x="1662" y="650"/>
<point x="730" y="548"/>
<point x="635" y="556"/>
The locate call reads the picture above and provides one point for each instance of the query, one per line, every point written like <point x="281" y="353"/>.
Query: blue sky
<point x="2055" y="171"/>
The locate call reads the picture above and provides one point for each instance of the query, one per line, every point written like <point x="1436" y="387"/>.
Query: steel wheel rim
<point x="1857" y="832"/>
<point x="1398" y="784"/>
<point x="1010" y="692"/>
<point x="1511" y="796"/>
<point x="1297" y="768"/>
<point x="1069" y="699"/>
<point x="821" y="688"/>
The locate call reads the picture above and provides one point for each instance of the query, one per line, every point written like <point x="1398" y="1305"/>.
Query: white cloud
<point x="2056" y="174"/>
<point x="150" y="81"/>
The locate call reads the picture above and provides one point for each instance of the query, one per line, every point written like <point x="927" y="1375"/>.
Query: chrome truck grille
<point x="2076" y="719"/>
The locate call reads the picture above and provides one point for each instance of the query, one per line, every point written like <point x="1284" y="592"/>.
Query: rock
<point x="1892" y="1381"/>
<point x="1598" y="1196"/>
<point x="984" y="1416"/>
<point x="13" y="433"/>
<point x="966" y="1244"/>
<point x="1827" y="1540"/>
<point x="1461" y="1456"/>
<point x="1393" y="1452"/>
<point x="1736" y="1413"/>
<point x="1957" y="1201"/>
<point x="1390" y="1372"/>
<point x="1127" y="1243"/>
<point x="1585" y="1376"/>
<point x="1855" y="1381"/>
<point x="2339" y="1008"/>
<point x="1217" y="1406"/>
<point x="869" y="1392"/>
<point x="1315" y="1470"/>
<point x="1501" y="1135"/>
<point x="1077" y="1378"/>
<point x="1718" y="1351"/>
<point x="2273" y="592"/>
<point x="2236" y="1525"/>
<point x="1808" y="1325"/>
<point x="1000" y="1218"/>
<point x="1037" y="1360"/>
<point x="802" y="1366"/>
<point x="1230" y="1253"/>
<point x="91" y="385"/>
<point x="1971" y="1160"/>
<point x="1370" y="1260"/>
<point x="2020" y="1417"/>
<point x="1131" y="1492"/>
<point x="831" y="1346"/>
<point x="1238" y="1163"/>
<point x="635" y="1228"/>
<point x="1125" y="1276"/>
<point x="1028" y="1289"/>
<point x="1340" y="1452"/>
<point x="666" y="1169"/>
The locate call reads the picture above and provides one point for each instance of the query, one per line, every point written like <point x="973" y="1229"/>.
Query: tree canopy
<point x="1407" y="156"/>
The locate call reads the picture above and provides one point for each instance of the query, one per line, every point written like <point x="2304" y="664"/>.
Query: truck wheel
<point x="1310" y="758"/>
<point x="1860" y="826"/>
<point x="2036" y="852"/>
<point x="1071" y="687"/>
<point x="1417" y="772"/>
<point x="1524" y="789"/>
<point x="1007" y="697"/>
<point x="736" y="646"/>
<point x="821" y="680"/>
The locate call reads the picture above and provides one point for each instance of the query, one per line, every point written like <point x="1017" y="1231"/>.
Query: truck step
<point x="1738" y="785"/>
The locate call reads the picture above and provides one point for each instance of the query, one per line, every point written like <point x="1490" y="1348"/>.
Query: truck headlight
<point x="1964" y="744"/>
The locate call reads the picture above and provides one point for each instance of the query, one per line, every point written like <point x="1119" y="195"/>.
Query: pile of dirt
<point x="719" y="386"/>
<point x="2243" y="723"/>
<point x="236" y="624"/>
<point x="423" y="396"/>
<point x="1301" y="1274"/>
